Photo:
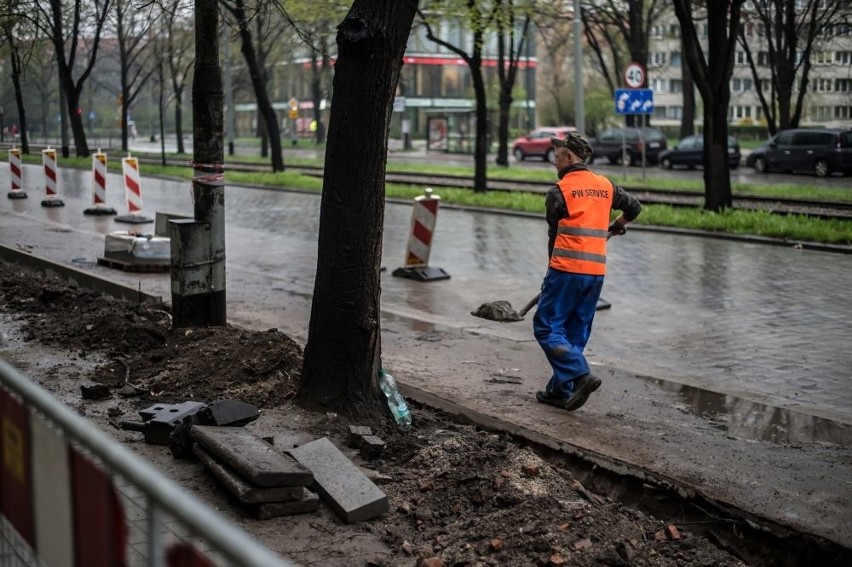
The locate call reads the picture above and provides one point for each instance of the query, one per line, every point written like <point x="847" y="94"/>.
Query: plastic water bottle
<point x="396" y="402"/>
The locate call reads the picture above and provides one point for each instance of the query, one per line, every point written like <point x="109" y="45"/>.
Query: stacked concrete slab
<point x="265" y="481"/>
<point x="278" y="482"/>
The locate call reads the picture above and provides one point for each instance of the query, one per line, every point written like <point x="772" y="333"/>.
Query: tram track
<point x="822" y="209"/>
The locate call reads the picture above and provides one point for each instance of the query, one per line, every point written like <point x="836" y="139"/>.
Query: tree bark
<point x="264" y="105"/>
<point x="712" y="75"/>
<point x="343" y="351"/>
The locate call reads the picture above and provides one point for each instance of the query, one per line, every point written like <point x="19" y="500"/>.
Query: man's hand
<point x="616" y="228"/>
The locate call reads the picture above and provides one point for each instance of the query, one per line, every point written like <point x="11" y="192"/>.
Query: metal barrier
<point x="70" y="495"/>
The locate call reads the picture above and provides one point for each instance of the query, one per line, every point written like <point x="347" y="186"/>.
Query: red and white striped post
<point x="99" y="172"/>
<point x="48" y="160"/>
<point x="133" y="192"/>
<point x="423" y="219"/>
<point x="16" y="170"/>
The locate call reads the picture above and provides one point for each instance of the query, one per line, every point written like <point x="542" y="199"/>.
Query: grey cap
<point x="576" y="143"/>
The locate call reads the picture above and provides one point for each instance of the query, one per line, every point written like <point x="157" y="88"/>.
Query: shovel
<point x="502" y="310"/>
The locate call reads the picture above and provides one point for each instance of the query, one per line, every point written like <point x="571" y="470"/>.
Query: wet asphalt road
<point x="765" y="324"/>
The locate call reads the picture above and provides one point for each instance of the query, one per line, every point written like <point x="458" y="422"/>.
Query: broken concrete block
<point x="371" y="447"/>
<point x="356" y="432"/>
<point x="310" y="503"/>
<point x="251" y="457"/>
<point x="340" y="483"/>
<point x="243" y="491"/>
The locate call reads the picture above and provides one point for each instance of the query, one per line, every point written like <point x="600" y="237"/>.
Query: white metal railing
<point x="161" y="496"/>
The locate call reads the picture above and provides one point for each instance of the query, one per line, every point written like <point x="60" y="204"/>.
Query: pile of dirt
<point x="459" y="495"/>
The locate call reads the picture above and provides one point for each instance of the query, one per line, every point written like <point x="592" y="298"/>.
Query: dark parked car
<point x="690" y="152"/>
<point x="537" y="143"/>
<point x="822" y="151"/>
<point x="620" y="145"/>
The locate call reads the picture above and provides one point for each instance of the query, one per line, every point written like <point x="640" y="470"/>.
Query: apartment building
<point x="828" y="101"/>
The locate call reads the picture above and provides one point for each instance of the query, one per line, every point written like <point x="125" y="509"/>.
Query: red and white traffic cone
<point x="16" y="171"/>
<point x="48" y="160"/>
<point x="133" y="192"/>
<point x="423" y="219"/>
<point x="99" y="172"/>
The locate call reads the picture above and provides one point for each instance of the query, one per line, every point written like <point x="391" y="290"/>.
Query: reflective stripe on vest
<point x="580" y="245"/>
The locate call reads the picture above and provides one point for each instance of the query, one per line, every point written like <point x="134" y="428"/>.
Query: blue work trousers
<point x="563" y="323"/>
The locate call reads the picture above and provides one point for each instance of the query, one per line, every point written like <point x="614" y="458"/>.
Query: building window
<point x="741" y="58"/>
<point x="658" y="85"/>
<point x="820" y="113"/>
<point x="843" y="57"/>
<point x="842" y="112"/>
<point x="676" y="86"/>
<point x="843" y="85"/>
<point x="674" y="31"/>
<point x="821" y="86"/>
<point x="822" y="58"/>
<point x="739" y="112"/>
<point x="762" y="58"/>
<point x="659" y="112"/>
<point x="657" y="32"/>
<point x="765" y="85"/>
<point x="674" y="57"/>
<point x="657" y="58"/>
<point x="674" y="112"/>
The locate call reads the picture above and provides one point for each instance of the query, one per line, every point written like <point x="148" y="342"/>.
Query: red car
<point x="537" y="143"/>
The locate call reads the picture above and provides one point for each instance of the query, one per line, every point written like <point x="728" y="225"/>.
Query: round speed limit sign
<point x="634" y="75"/>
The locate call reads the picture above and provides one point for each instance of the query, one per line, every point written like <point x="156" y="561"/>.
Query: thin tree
<point x="180" y="59"/>
<point x="343" y="351"/>
<point x="712" y="74"/>
<point x="135" y="56"/>
<point x="510" y="46"/>
<point x="242" y="20"/>
<point x="8" y="24"/>
<point x="50" y="17"/>
<point x="791" y="30"/>
<point x="477" y="18"/>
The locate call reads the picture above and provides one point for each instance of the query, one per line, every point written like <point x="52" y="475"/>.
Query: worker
<point x="578" y="217"/>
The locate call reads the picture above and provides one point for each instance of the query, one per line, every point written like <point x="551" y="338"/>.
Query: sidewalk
<point x="779" y="468"/>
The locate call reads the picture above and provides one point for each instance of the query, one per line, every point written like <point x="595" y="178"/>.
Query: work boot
<point x="555" y="400"/>
<point x="583" y="388"/>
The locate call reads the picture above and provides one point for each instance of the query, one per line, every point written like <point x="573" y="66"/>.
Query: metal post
<point x="229" y="94"/>
<point x="579" y="111"/>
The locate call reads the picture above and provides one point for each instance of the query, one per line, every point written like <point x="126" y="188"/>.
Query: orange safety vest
<point x="580" y="245"/>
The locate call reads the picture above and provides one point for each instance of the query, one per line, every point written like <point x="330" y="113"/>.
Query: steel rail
<point x="227" y="538"/>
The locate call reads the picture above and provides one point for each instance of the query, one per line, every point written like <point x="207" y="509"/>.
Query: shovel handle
<point x="529" y="305"/>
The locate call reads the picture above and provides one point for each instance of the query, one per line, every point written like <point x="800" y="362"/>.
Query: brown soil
<point x="466" y="496"/>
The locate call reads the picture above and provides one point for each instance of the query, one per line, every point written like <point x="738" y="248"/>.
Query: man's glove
<point x="616" y="228"/>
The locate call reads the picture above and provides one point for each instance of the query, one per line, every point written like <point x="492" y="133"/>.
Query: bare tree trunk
<point x="343" y="351"/>
<point x="687" y="122"/>
<point x="712" y="75"/>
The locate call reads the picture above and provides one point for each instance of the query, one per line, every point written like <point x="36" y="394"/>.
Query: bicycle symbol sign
<point x="634" y="75"/>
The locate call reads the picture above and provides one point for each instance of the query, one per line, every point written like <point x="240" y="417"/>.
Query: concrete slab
<point x="341" y="484"/>
<point x="310" y="503"/>
<point x="243" y="491"/>
<point x="251" y="457"/>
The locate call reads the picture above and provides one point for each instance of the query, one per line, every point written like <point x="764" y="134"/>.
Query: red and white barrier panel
<point x="16" y="172"/>
<point x="48" y="160"/>
<point x="63" y="506"/>
<point x="423" y="219"/>
<point x="99" y="173"/>
<point x="132" y="192"/>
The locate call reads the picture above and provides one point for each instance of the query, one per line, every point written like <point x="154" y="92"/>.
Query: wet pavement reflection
<point x="743" y="419"/>
<point x="766" y="324"/>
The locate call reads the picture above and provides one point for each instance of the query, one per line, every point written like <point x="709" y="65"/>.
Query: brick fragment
<point x="371" y="447"/>
<point x="672" y="532"/>
<point x="356" y="432"/>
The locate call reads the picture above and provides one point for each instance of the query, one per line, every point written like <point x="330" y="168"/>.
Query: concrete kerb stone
<point x="77" y="277"/>
<point x="341" y="484"/>
<point x="594" y="460"/>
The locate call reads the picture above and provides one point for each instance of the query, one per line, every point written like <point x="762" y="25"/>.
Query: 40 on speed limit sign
<point x="634" y="75"/>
